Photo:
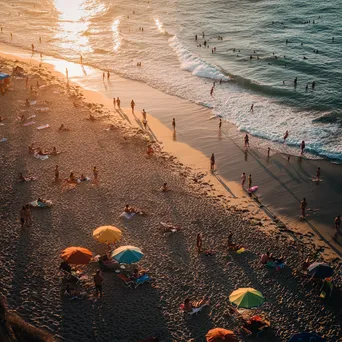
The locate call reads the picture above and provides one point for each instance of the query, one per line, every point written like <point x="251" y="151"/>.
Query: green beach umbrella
<point x="246" y="298"/>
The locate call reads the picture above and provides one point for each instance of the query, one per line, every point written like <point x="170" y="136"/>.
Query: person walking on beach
<point x="199" y="243"/>
<point x="337" y="222"/>
<point x="95" y="175"/>
<point x="174" y="124"/>
<point x="243" y="179"/>
<point x="98" y="281"/>
<point x="22" y="217"/>
<point x="212" y="91"/>
<point x="108" y="75"/>
<point x="220" y="123"/>
<point x="103" y="76"/>
<point x="268" y="151"/>
<point x="246" y="139"/>
<point x="318" y="174"/>
<point x="249" y="181"/>
<point x="26" y="82"/>
<point x="81" y="59"/>
<point x="212" y="162"/>
<point x="118" y="101"/>
<point x="28" y="216"/>
<point x="145" y="123"/>
<point x="144" y="114"/>
<point x="114" y="102"/>
<point x="32" y="47"/>
<point x="252" y="108"/>
<point x="302" y="147"/>
<point x="285" y="136"/>
<point x="303" y="205"/>
<point x="132" y="106"/>
<point x="56" y="174"/>
<point x="67" y="74"/>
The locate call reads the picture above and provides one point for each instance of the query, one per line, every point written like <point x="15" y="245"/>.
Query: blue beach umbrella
<point x="306" y="337"/>
<point x="127" y="254"/>
<point x="320" y="270"/>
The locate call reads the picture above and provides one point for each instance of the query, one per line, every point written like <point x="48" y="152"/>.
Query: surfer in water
<point x="285" y="136"/>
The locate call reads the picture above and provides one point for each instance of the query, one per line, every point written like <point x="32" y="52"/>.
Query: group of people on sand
<point x="38" y="151"/>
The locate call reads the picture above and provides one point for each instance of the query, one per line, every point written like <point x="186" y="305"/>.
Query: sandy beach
<point x="199" y="202"/>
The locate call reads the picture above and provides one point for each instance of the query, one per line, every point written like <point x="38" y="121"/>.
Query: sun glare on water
<point x="159" y="25"/>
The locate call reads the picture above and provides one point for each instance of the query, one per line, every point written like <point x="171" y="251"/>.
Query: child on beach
<point x="303" y="205"/>
<point x="199" y="243"/>
<point x="243" y="179"/>
<point x="22" y="217"/>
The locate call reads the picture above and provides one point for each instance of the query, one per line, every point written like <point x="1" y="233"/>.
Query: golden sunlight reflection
<point x="116" y="34"/>
<point x="159" y="25"/>
<point x="73" y="23"/>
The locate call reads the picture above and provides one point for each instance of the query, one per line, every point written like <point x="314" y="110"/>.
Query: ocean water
<point x="108" y="35"/>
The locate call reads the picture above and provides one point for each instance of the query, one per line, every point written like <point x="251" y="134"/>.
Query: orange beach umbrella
<point x="76" y="255"/>
<point x="220" y="334"/>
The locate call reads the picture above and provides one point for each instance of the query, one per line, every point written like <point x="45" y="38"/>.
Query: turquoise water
<point x="106" y="33"/>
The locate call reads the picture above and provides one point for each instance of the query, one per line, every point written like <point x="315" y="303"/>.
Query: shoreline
<point x="199" y="136"/>
<point x="30" y="258"/>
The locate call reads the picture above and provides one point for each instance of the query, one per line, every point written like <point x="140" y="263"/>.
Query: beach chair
<point x="327" y="286"/>
<point x="143" y="279"/>
<point x="127" y="281"/>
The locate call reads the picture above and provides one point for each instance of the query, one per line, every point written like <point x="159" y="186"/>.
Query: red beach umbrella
<point x="77" y="255"/>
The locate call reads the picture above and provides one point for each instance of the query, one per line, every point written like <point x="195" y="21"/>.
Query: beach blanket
<point x="29" y="123"/>
<point x="3" y="139"/>
<point x="31" y="117"/>
<point x="43" y="126"/>
<point x="43" y="109"/>
<point x="35" y="204"/>
<point x="127" y="216"/>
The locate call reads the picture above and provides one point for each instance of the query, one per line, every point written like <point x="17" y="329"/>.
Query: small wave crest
<point x="194" y="64"/>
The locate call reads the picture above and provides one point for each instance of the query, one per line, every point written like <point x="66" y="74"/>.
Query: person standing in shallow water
<point x="302" y="147"/>
<point x="174" y="124"/>
<point x="212" y="162"/>
<point x="243" y="179"/>
<point x="132" y="106"/>
<point x="303" y="205"/>
<point x="220" y="123"/>
<point x="249" y="181"/>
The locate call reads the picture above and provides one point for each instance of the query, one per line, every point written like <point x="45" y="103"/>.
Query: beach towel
<point x="43" y="109"/>
<point x="2" y="124"/>
<point x="43" y="126"/>
<point x="35" y="204"/>
<point x="32" y="103"/>
<point x="3" y="139"/>
<point x="31" y="117"/>
<point x="40" y="157"/>
<point x="27" y="179"/>
<point x="29" y="123"/>
<point x="127" y="216"/>
<point x="83" y="180"/>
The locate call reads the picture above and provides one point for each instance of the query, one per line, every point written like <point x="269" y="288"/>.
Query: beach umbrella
<point x="220" y="334"/>
<point x="76" y="255"/>
<point x="320" y="270"/>
<point x="306" y="337"/>
<point x="246" y="298"/>
<point x="107" y="234"/>
<point x="127" y="254"/>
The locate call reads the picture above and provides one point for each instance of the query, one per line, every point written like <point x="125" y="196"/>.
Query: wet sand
<point x="30" y="258"/>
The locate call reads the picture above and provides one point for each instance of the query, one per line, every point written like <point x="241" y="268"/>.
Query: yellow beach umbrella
<point x="107" y="234"/>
